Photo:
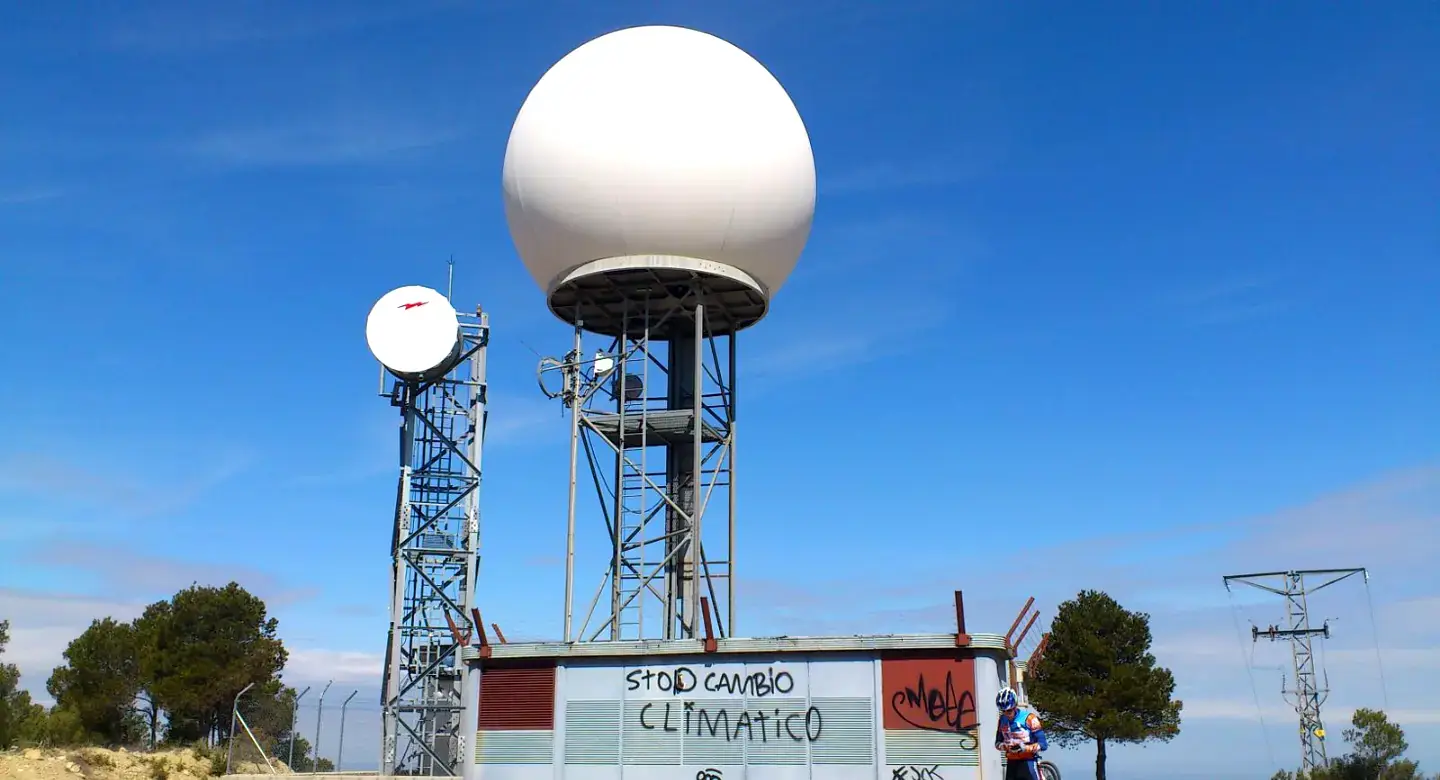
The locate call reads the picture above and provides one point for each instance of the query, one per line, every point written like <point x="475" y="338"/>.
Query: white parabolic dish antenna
<point x="414" y="332"/>
<point x="663" y="149"/>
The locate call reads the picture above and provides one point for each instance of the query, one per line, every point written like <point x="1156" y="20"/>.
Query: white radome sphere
<point x="414" y="332"/>
<point x="659" y="141"/>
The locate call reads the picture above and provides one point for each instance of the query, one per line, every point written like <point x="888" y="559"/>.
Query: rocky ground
<point x="101" y="764"/>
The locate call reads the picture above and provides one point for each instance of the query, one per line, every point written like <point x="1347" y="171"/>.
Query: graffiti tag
<point x="936" y="709"/>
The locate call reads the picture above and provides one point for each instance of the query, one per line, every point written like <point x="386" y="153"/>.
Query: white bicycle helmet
<point x="1006" y="699"/>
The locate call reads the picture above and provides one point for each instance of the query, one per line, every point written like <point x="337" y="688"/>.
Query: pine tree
<point x="1097" y="680"/>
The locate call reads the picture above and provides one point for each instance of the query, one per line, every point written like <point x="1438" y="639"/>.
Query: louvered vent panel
<point x="653" y="745"/>
<point x="592" y="732"/>
<point x="514" y="747"/>
<point x="768" y="742"/>
<point x="709" y="733"/>
<point x="928" y="748"/>
<point x="847" y="733"/>
<point x="520" y="698"/>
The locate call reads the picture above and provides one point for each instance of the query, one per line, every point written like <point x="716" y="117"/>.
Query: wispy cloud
<point x="132" y="574"/>
<point x="1236" y="299"/>
<point x="824" y="347"/>
<point x="518" y="419"/>
<point x="911" y="267"/>
<point x="1203" y="636"/>
<point x="32" y="474"/>
<point x="315" y="142"/>
<point x="931" y="247"/>
<point x="747" y="19"/>
<point x="1243" y="709"/>
<point x="23" y="196"/>
<point x="1176" y="573"/>
<point x="1360" y="523"/>
<point x="186" y="28"/>
<point x="43" y="624"/>
<point x="937" y="171"/>
<point x="358" y="610"/>
<point x="342" y="666"/>
<point x="514" y="420"/>
<point x="367" y="452"/>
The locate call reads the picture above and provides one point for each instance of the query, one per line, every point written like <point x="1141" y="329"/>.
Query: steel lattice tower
<point x="435" y="553"/>
<point x="653" y="416"/>
<point x="1307" y="695"/>
<point x="660" y="209"/>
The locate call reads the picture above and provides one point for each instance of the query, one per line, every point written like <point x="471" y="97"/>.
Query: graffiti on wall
<point x="931" y="694"/>
<point x="746" y="724"/>
<point x="747" y="720"/>
<point x="912" y="772"/>
<point x="683" y="679"/>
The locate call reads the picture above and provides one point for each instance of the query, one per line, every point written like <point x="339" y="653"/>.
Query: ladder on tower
<point x="636" y="502"/>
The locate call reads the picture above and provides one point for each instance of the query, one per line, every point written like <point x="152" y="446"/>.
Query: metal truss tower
<point x="435" y="553"/>
<point x="1307" y="695"/>
<point x="653" y="416"/>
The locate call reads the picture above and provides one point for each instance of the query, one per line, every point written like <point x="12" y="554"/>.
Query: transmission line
<point x="1375" y="633"/>
<point x="1249" y="664"/>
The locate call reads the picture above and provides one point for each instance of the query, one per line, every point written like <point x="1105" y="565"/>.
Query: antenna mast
<point x="437" y="360"/>
<point x="1308" y="696"/>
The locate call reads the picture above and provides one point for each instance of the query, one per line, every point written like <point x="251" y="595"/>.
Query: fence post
<point x="234" y="713"/>
<point x="340" y="751"/>
<point x="319" y="711"/>
<point x="294" y="714"/>
<point x="258" y="749"/>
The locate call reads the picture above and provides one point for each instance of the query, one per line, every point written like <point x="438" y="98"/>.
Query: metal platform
<point x="617" y="295"/>
<point x="655" y="428"/>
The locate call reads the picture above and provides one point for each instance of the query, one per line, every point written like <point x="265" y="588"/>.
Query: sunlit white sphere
<point x="659" y="141"/>
<point x="414" y="332"/>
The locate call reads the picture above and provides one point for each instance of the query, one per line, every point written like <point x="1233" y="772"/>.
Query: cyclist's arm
<point x="1037" y="731"/>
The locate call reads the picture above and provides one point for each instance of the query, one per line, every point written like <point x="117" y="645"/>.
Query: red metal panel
<point x="932" y="692"/>
<point x="516" y="698"/>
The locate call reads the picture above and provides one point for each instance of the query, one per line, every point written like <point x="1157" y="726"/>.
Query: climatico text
<point x="753" y="723"/>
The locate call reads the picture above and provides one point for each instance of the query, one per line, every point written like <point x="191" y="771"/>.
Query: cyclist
<point x="1021" y="736"/>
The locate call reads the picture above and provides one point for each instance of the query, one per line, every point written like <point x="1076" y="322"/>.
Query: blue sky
<point x="1126" y="296"/>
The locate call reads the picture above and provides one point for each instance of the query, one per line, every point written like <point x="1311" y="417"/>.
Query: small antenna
<point x="450" y="279"/>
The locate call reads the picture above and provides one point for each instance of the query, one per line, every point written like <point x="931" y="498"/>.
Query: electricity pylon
<point x="1308" y="696"/>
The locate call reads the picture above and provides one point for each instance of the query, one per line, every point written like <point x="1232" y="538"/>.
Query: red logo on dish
<point x="409" y="306"/>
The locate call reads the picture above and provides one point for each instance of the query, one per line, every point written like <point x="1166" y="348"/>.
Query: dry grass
<point x="101" y="764"/>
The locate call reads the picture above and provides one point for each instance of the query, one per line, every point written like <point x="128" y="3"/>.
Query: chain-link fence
<point x="304" y="732"/>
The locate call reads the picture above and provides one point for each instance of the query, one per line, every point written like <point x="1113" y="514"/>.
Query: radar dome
<point x="659" y="147"/>
<point x="414" y="332"/>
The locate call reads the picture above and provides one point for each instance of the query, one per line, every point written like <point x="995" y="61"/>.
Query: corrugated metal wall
<point x="850" y="716"/>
